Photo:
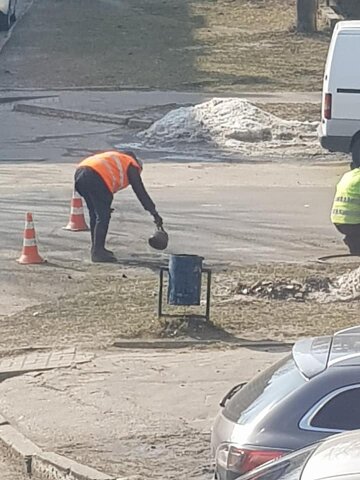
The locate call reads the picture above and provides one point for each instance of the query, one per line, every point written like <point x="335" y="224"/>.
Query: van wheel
<point x="355" y="152"/>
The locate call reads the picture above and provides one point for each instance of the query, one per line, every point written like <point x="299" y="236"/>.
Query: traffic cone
<point x="77" y="221"/>
<point x="30" y="252"/>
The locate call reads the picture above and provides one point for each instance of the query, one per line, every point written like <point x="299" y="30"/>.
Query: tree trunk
<point x="306" y="15"/>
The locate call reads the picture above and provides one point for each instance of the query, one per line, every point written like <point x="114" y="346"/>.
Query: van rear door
<point x="342" y="79"/>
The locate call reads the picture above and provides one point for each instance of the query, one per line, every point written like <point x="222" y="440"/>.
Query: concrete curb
<point x="48" y="465"/>
<point x="130" y="122"/>
<point x="41" y="465"/>
<point x="174" y="344"/>
<point x="17" y="446"/>
<point x="22" y="98"/>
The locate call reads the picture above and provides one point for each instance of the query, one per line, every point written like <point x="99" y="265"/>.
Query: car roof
<point x="339" y="455"/>
<point x="314" y="355"/>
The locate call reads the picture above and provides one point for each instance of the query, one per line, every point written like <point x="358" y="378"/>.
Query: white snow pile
<point x="344" y="289"/>
<point x="235" y="125"/>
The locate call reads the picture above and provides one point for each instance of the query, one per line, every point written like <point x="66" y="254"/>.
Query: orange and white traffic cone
<point x="77" y="221"/>
<point x="30" y="254"/>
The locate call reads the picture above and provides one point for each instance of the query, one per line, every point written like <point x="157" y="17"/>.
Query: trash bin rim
<point x="186" y="255"/>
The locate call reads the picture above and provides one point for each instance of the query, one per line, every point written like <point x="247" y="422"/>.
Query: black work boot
<point x="103" y="256"/>
<point x="353" y="245"/>
<point x="99" y="253"/>
<point x="104" y="249"/>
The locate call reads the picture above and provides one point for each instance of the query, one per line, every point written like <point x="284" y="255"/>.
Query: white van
<point x="339" y="130"/>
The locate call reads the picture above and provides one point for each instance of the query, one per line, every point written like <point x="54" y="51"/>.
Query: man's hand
<point x="158" y="220"/>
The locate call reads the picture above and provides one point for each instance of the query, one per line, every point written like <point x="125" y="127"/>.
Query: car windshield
<point x="286" y="468"/>
<point x="264" y="391"/>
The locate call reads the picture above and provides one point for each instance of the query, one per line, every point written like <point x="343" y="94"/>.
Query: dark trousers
<point x="352" y="236"/>
<point x="98" y="199"/>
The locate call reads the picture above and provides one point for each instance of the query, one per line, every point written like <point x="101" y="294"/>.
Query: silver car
<point x="337" y="458"/>
<point x="310" y="394"/>
<point x="7" y="13"/>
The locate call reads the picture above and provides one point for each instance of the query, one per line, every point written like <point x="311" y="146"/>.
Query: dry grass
<point x="214" y="45"/>
<point x="109" y="307"/>
<point x="251" y="43"/>
<point x="303" y="112"/>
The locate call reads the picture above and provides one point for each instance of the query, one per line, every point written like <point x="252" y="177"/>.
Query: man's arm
<point x="141" y="193"/>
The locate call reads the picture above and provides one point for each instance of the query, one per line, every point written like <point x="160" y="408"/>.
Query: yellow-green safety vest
<point x="346" y="206"/>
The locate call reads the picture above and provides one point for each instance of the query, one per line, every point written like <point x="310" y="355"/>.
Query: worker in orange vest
<point x="97" y="179"/>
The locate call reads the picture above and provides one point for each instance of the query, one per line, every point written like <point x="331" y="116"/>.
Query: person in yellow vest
<point x="97" y="179"/>
<point x="345" y="213"/>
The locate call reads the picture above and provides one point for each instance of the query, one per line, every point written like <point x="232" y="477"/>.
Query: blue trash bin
<point x="184" y="279"/>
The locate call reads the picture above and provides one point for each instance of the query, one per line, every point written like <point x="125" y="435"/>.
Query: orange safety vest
<point x="112" y="168"/>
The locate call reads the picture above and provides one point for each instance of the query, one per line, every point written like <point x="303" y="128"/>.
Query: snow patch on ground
<point x="234" y="125"/>
<point x="345" y="288"/>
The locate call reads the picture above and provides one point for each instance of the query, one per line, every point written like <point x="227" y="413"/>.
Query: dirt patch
<point x="217" y="46"/>
<point x="109" y="307"/>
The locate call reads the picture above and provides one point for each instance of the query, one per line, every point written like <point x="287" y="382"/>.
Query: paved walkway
<point x="41" y="361"/>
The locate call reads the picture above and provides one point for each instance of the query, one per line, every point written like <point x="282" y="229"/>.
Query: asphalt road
<point x="244" y="212"/>
<point x="226" y="213"/>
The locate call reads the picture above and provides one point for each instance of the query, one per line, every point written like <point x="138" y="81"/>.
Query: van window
<point x="344" y="71"/>
<point x="264" y="391"/>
